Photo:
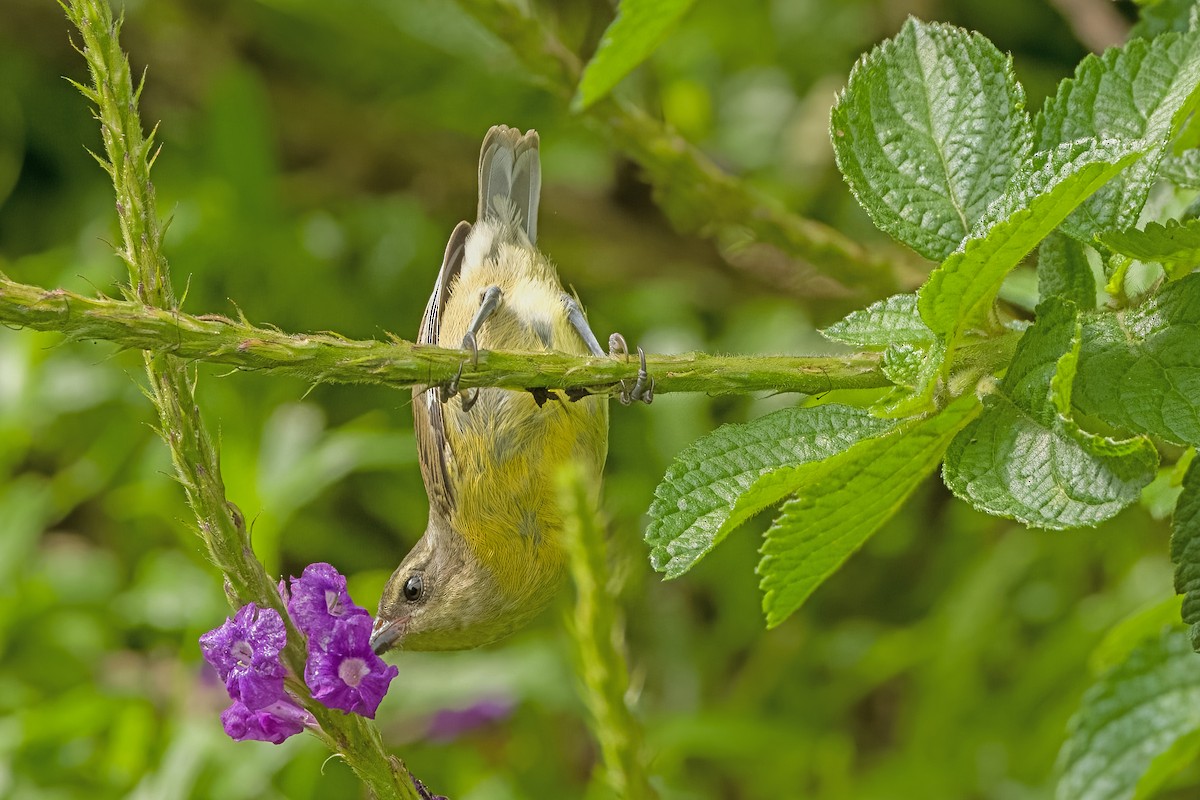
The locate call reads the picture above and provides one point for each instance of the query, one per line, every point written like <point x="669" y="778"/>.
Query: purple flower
<point x="274" y="723"/>
<point x="245" y="652"/>
<point x="345" y="673"/>
<point x="319" y="601"/>
<point x="450" y="723"/>
<point x="342" y="671"/>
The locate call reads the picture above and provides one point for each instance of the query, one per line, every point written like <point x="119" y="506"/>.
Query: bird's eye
<point x="414" y="588"/>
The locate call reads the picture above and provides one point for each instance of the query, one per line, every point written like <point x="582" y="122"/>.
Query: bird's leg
<point x="643" y="385"/>
<point x="579" y="323"/>
<point x="489" y="301"/>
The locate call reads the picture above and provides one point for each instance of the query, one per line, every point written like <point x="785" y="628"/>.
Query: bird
<point x="491" y="557"/>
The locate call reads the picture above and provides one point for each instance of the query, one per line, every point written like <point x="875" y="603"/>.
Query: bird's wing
<point x="428" y="419"/>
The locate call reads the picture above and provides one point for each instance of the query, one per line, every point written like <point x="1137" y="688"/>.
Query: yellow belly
<point x="506" y="450"/>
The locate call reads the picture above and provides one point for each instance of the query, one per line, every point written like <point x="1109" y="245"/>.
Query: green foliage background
<point x="315" y="160"/>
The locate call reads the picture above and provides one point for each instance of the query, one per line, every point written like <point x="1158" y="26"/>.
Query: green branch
<point x="331" y="358"/>
<point x="699" y="195"/>
<point x="128" y="157"/>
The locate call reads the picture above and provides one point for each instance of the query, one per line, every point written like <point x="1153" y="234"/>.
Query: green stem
<point x="128" y="157"/>
<point x="699" y="194"/>
<point x="597" y="633"/>
<point x="331" y="358"/>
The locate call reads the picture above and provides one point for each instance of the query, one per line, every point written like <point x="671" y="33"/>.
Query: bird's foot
<point x="451" y="389"/>
<point x="643" y="384"/>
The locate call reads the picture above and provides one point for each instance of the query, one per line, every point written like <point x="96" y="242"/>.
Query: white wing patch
<point x="537" y="306"/>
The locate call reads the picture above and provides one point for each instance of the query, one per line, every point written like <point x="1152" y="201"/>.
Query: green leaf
<point x="847" y="500"/>
<point x="1185" y="549"/>
<point x="1166" y="765"/>
<point x="1063" y="271"/>
<point x="893" y="320"/>
<point x="962" y="289"/>
<point x="639" y="28"/>
<point x="916" y="383"/>
<point x="1161" y="495"/>
<point x="1175" y="245"/>
<point x="902" y="365"/>
<point x="1188" y="137"/>
<point x="1131" y="718"/>
<point x="722" y="479"/>
<point x="929" y="130"/>
<point x="1139" y="369"/>
<point x="1136" y="92"/>
<point x="1131" y="632"/>
<point x="1183" y="170"/>
<point x="1165" y="15"/>
<point x="1026" y="459"/>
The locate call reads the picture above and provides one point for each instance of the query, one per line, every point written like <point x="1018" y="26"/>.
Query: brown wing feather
<point x="428" y="422"/>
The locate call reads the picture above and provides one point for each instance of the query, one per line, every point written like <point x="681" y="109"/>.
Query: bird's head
<point x="443" y="597"/>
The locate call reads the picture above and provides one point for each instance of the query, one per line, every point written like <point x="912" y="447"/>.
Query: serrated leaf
<point x="1130" y="718"/>
<point x="1138" y="91"/>
<point x="1063" y="271"/>
<point x="1139" y="369"/>
<point x="914" y="396"/>
<point x="902" y="363"/>
<point x="1175" y="245"/>
<point x="893" y="320"/>
<point x="639" y="28"/>
<point x="1185" y="549"/>
<point x="959" y="291"/>
<point x="722" y="479"/>
<point x="854" y="494"/>
<point x="1026" y="459"/>
<point x="929" y="130"/>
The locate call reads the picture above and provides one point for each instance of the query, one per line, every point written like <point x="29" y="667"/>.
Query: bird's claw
<point x="469" y="343"/>
<point x="643" y="385"/>
<point x="617" y="346"/>
<point x="451" y="388"/>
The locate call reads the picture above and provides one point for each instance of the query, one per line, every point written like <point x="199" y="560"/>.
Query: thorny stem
<point x="598" y="635"/>
<point x="331" y="358"/>
<point x="128" y="157"/>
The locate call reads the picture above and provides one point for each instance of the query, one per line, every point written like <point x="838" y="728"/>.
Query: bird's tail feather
<point x="510" y="177"/>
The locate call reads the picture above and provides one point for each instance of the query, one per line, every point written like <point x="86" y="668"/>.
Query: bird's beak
<point x="386" y="633"/>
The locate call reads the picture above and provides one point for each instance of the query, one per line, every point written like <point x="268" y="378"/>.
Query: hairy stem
<point x="598" y="635"/>
<point x="128" y="157"/>
<point x="331" y="358"/>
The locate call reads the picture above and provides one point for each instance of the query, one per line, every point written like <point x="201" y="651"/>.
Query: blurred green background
<point x="316" y="156"/>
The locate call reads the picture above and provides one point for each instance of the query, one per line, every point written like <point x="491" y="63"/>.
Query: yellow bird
<point x="491" y="558"/>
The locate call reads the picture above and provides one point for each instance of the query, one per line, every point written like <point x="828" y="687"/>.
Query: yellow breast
<point x="505" y="450"/>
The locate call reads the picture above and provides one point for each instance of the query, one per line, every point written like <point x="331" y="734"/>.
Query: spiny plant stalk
<point x="597" y="633"/>
<point x="128" y="157"/>
<point x="331" y="358"/>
